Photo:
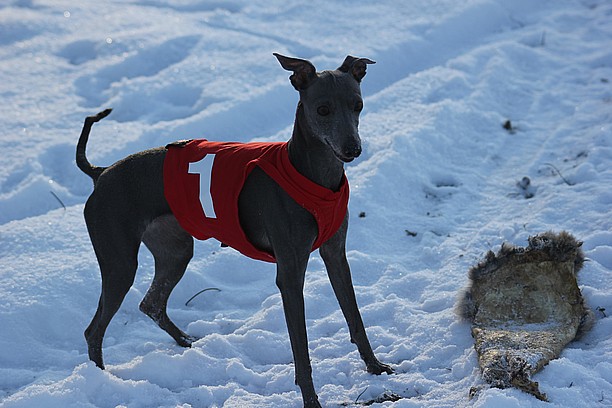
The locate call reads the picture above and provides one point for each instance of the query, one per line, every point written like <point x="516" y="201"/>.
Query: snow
<point x="438" y="185"/>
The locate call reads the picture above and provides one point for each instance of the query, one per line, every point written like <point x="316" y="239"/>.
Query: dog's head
<point x="331" y="101"/>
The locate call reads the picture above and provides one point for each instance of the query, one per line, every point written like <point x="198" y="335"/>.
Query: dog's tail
<point x="81" y="159"/>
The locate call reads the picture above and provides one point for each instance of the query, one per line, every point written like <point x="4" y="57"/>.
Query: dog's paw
<point x="186" y="340"/>
<point x="377" y="368"/>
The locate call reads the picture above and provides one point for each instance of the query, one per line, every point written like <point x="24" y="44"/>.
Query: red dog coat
<point x="223" y="169"/>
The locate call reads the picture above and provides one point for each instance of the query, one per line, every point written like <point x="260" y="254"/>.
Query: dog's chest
<point x="203" y="180"/>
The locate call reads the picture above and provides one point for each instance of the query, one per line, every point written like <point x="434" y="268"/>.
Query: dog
<point x="164" y="197"/>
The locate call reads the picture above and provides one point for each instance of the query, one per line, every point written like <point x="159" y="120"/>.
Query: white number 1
<point x="204" y="169"/>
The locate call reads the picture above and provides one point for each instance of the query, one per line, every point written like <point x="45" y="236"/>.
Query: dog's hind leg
<point x="117" y="253"/>
<point x="172" y="248"/>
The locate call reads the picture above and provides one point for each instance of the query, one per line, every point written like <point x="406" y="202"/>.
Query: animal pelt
<point x="525" y="307"/>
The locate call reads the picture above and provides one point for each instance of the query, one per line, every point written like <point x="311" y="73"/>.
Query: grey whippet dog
<point x="128" y="207"/>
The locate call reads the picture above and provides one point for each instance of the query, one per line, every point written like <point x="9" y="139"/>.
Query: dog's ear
<point x="303" y="71"/>
<point x="356" y="66"/>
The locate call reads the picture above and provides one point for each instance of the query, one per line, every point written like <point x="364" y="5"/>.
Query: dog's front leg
<point x="333" y="253"/>
<point x="290" y="281"/>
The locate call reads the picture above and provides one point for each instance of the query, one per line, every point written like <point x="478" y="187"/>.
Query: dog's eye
<point x="323" y="110"/>
<point x="358" y="106"/>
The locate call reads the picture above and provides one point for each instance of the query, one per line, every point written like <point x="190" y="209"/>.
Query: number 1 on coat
<point x="204" y="169"/>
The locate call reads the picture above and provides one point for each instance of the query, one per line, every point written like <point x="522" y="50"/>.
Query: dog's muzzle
<point x="350" y="153"/>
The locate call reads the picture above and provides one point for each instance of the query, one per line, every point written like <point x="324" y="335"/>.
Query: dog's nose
<point x="353" y="151"/>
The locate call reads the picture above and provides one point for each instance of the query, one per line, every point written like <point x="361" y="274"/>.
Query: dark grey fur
<point x="128" y="207"/>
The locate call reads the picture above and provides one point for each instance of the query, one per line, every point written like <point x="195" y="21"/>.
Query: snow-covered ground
<point x="436" y="187"/>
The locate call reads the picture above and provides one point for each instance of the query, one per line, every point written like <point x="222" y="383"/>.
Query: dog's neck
<point x="311" y="157"/>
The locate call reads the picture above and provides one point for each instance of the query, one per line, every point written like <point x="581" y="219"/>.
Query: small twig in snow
<point x="559" y="173"/>
<point x="200" y="292"/>
<point x="58" y="200"/>
<point x="359" y="396"/>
